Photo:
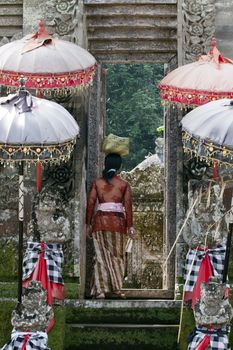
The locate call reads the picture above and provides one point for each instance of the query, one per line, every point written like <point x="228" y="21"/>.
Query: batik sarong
<point x="109" y="262"/>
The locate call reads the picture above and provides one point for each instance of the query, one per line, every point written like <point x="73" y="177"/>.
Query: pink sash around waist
<point x="111" y="206"/>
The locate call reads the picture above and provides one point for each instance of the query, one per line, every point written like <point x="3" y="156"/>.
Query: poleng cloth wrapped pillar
<point x="204" y="338"/>
<point x="53" y="256"/>
<point x="115" y="144"/>
<point x="27" y="341"/>
<point x="43" y="262"/>
<point x="203" y="264"/>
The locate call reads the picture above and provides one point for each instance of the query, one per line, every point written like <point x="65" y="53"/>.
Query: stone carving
<point x="159" y="148"/>
<point x="198" y="27"/>
<point x="147" y="183"/>
<point x="33" y="313"/>
<point x="50" y="222"/>
<point x="206" y="225"/>
<point x="60" y="16"/>
<point x="213" y="309"/>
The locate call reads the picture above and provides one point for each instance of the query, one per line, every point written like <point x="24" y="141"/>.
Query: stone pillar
<point x="224" y="28"/>
<point x="198" y="27"/>
<point x="170" y="193"/>
<point x="95" y="132"/>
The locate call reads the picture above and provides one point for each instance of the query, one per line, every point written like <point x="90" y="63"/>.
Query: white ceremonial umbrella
<point x="33" y="130"/>
<point x="48" y="64"/>
<point x="207" y="133"/>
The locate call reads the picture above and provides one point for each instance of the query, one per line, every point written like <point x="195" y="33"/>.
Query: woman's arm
<point x="129" y="211"/>
<point x="91" y="201"/>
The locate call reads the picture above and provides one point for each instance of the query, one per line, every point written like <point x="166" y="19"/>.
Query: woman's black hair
<point x="112" y="163"/>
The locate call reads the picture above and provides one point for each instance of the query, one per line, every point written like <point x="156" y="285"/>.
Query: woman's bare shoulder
<point x="122" y="181"/>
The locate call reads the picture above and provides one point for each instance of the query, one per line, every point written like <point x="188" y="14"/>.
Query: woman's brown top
<point x="117" y="191"/>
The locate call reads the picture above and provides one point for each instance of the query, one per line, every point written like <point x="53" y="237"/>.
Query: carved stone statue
<point x="213" y="309"/>
<point x="33" y="313"/>
<point x="159" y="148"/>
<point x="206" y="226"/>
<point x="50" y="222"/>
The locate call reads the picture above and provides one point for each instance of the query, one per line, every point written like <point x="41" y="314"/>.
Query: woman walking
<point x="108" y="227"/>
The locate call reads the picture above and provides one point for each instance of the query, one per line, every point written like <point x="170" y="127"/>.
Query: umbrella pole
<point x="228" y="245"/>
<point x="227" y="256"/>
<point x="21" y="219"/>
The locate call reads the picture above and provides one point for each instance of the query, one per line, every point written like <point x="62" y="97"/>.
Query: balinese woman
<point x="108" y="228"/>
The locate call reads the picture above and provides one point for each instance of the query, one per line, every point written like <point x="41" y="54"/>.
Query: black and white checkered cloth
<point x="53" y="255"/>
<point x="218" y="340"/>
<point x="217" y="258"/>
<point x="36" y="341"/>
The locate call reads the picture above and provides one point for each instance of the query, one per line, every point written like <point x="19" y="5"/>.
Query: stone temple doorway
<point x="147" y="277"/>
<point x="136" y="33"/>
<point x="134" y="110"/>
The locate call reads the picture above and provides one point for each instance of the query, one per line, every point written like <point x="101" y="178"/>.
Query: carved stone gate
<point x="120" y="31"/>
<point x="136" y="32"/>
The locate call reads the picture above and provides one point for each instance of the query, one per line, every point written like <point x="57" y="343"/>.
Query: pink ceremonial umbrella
<point x="209" y="78"/>
<point x="46" y="63"/>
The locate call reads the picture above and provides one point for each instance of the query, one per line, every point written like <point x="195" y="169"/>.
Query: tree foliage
<point x="134" y="108"/>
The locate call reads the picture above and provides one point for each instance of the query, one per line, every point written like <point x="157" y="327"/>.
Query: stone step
<point x="133" y="23"/>
<point x="144" y="45"/>
<point x="122" y="325"/>
<point x="134" y="58"/>
<point x="126" y="2"/>
<point x="122" y="304"/>
<point x="11" y="2"/>
<point x="131" y="35"/>
<point x="128" y="21"/>
<point x="109" y="338"/>
<point x="9" y="32"/>
<point x="14" y="10"/>
<point x="123" y="312"/>
<point x="138" y="10"/>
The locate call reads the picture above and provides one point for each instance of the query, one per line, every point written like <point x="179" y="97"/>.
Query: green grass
<point x="9" y="290"/>
<point x="188" y="325"/>
<point x="57" y="333"/>
<point x="6" y="309"/>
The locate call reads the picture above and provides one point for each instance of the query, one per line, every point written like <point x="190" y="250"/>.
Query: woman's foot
<point x="118" y="294"/>
<point x="100" y="296"/>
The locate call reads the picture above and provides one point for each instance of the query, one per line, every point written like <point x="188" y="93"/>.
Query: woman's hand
<point x="131" y="233"/>
<point x="88" y="231"/>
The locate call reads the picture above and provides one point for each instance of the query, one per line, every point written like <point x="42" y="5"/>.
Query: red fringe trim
<point x="49" y="81"/>
<point x="191" y="97"/>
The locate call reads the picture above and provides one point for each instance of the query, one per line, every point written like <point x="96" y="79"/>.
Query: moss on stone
<point x="108" y="339"/>
<point x="133" y="316"/>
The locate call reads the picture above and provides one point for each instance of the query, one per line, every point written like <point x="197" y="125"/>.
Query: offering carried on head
<point x="115" y="144"/>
